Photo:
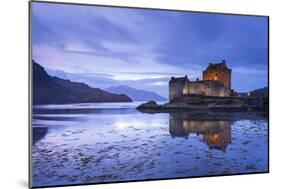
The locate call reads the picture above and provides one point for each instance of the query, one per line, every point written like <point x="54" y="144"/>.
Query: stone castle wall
<point x="222" y="75"/>
<point x="177" y="89"/>
<point x="216" y="82"/>
<point x="208" y="88"/>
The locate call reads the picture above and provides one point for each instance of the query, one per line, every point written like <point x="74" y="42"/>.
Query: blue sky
<point x="105" y="46"/>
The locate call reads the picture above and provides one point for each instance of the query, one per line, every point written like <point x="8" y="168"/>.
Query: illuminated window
<point x="185" y="91"/>
<point x="216" y="77"/>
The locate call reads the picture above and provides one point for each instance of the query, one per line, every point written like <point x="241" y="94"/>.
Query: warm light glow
<point x="216" y="77"/>
<point x="216" y="136"/>
<point x="213" y="138"/>
<point x="184" y="91"/>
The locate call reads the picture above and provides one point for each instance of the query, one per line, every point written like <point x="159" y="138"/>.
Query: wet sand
<point x="103" y="147"/>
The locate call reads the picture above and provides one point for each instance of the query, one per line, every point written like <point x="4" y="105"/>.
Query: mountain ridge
<point x="54" y="90"/>
<point x="135" y="94"/>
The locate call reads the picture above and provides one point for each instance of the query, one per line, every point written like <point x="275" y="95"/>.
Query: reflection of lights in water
<point x="216" y="136"/>
<point x="213" y="138"/>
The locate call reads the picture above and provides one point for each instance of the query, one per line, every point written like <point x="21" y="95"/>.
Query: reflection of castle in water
<point x="216" y="134"/>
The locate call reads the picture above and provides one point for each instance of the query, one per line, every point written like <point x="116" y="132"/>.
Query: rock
<point x="229" y="106"/>
<point x="180" y="106"/>
<point x="212" y="105"/>
<point x="149" y="104"/>
<point x="206" y="103"/>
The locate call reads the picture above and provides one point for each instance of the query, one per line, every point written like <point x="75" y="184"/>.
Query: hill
<point x="53" y="90"/>
<point x="261" y="92"/>
<point x="136" y="94"/>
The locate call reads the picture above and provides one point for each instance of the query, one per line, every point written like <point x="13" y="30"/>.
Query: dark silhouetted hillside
<point x="53" y="90"/>
<point x="262" y="92"/>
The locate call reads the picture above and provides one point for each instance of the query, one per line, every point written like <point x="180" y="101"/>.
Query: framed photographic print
<point x="121" y="94"/>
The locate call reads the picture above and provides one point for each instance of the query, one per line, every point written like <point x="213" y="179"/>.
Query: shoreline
<point x="208" y="104"/>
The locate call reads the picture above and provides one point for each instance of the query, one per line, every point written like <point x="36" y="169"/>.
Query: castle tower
<point x="218" y="72"/>
<point x="178" y="87"/>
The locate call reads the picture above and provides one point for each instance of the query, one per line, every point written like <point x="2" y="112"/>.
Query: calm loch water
<point x="106" y="142"/>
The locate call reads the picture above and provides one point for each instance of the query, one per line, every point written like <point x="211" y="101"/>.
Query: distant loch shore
<point x="207" y="103"/>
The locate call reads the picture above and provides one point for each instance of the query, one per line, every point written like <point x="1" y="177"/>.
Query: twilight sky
<point x="104" y="46"/>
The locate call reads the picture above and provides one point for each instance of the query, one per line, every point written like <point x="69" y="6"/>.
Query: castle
<point x="216" y="82"/>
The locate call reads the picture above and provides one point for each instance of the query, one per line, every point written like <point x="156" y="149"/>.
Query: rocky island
<point x="207" y="103"/>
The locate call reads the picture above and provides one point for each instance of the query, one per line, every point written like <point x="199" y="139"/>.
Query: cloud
<point x="104" y="81"/>
<point x="249" y="71"/>
<point x="144" y="48"/>
<point x="159" y="83"/>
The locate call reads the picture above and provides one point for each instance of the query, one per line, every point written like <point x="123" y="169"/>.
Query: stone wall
<point x="216" y="82"/>
<point x="208" y="88"/>
<point x="177" y="88"/>
<point x="221" y="74"/>
<point x="182" y="87"/>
